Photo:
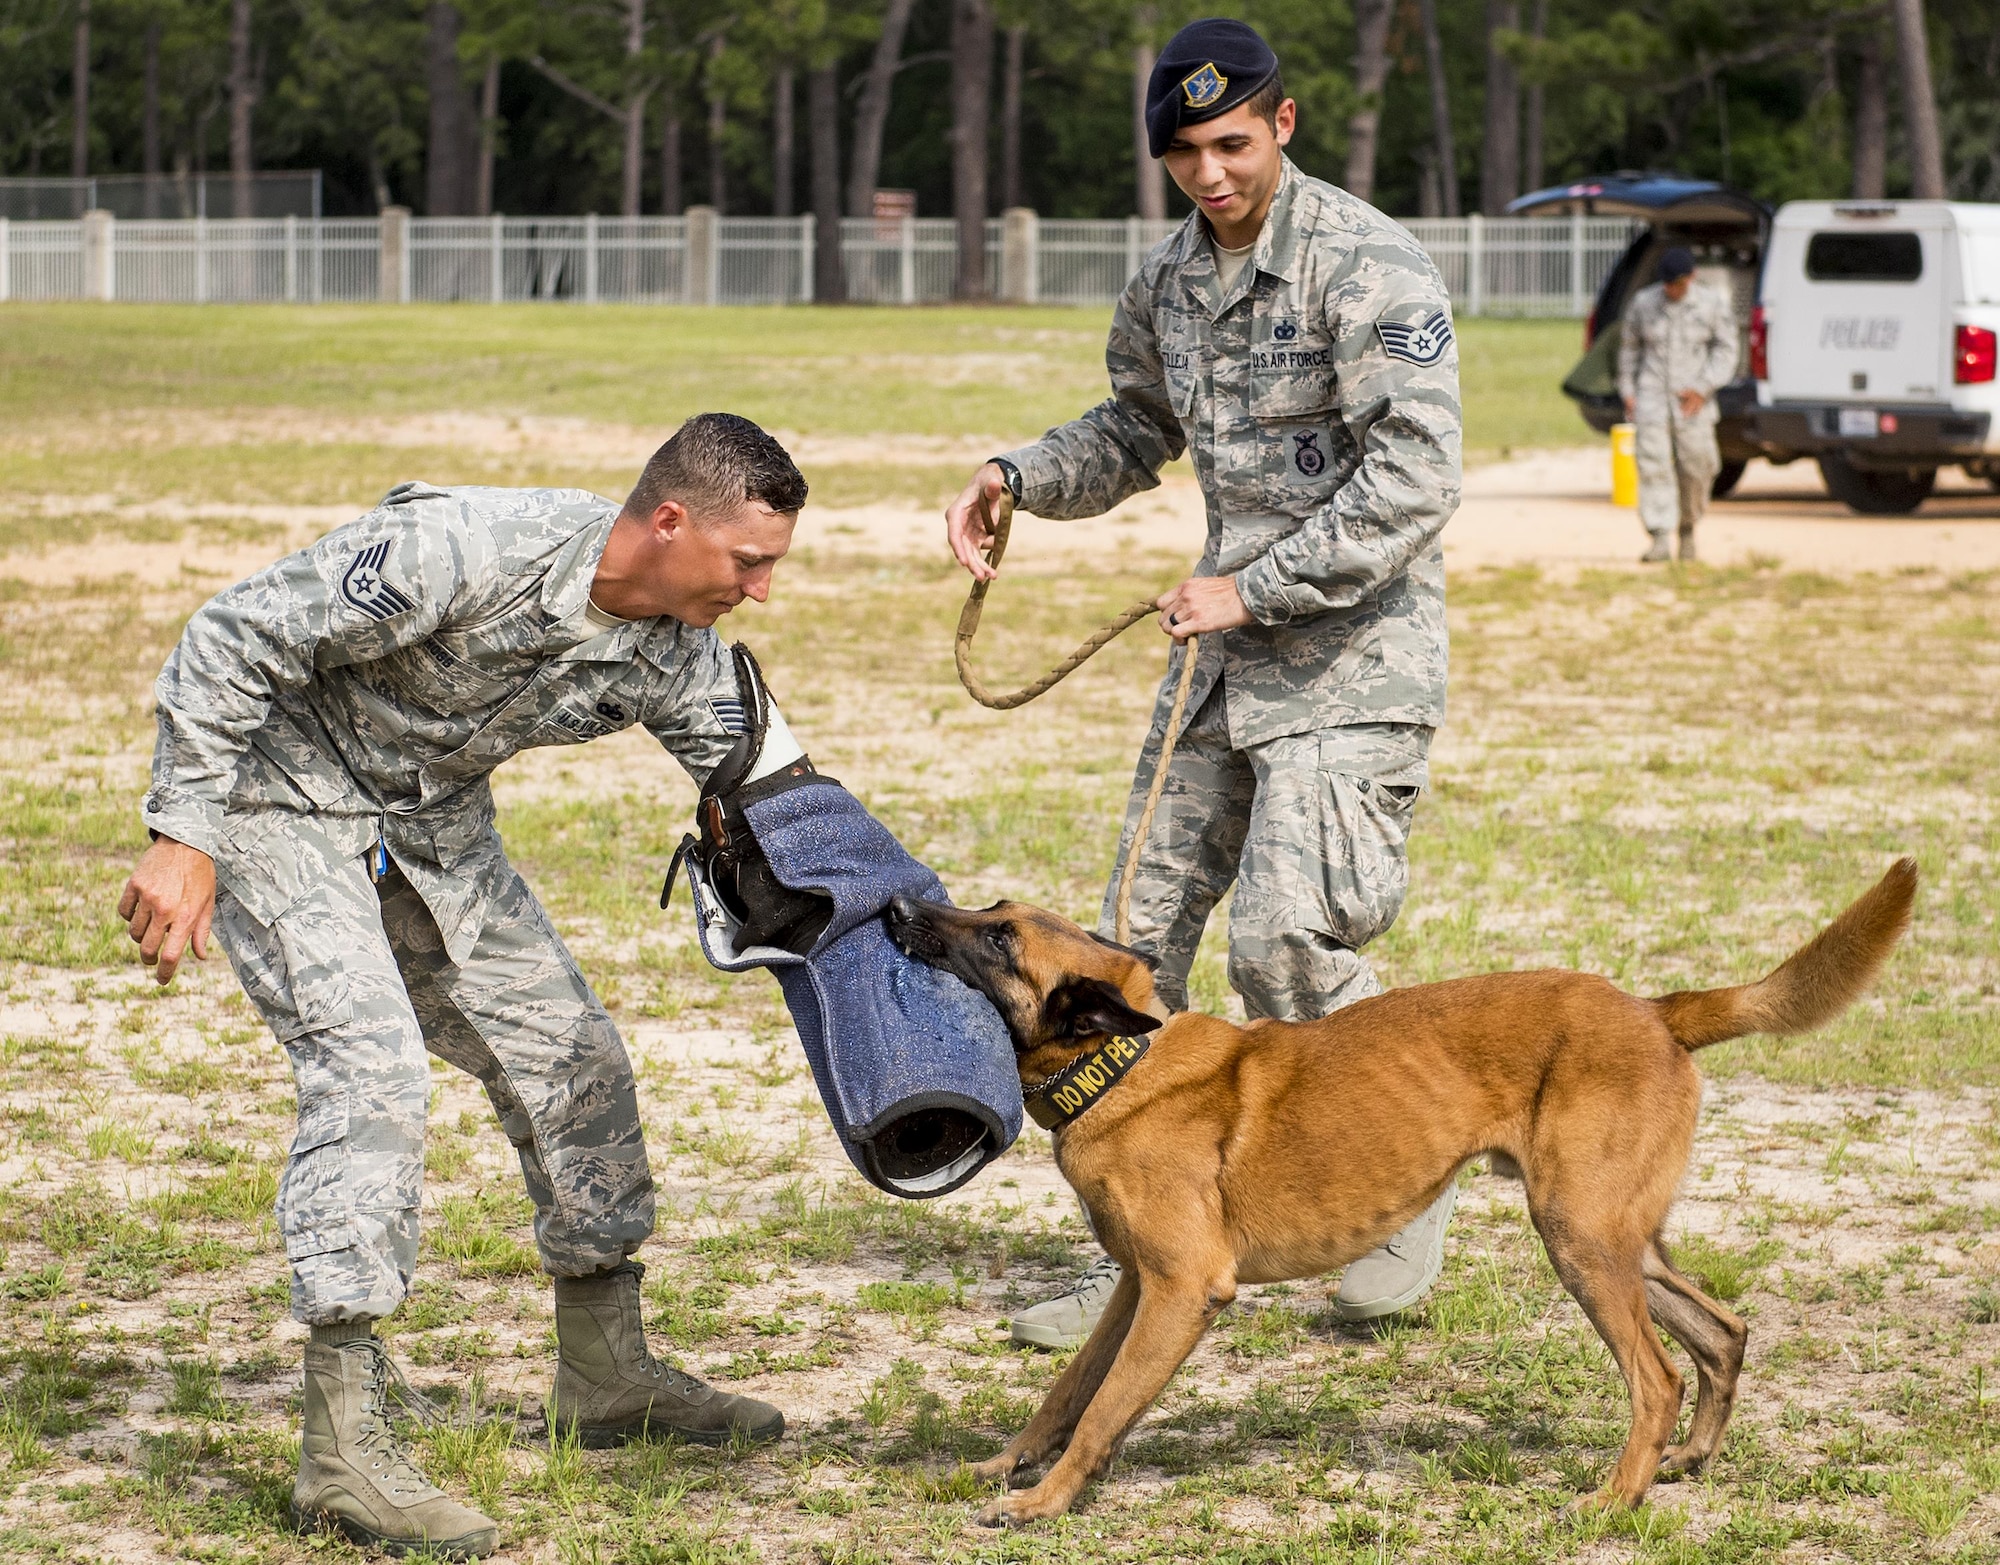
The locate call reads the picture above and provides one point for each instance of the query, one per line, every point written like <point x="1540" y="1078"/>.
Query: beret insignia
<point x="1204" y="86"/>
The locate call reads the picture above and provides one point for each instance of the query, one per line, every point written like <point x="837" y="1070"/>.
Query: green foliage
<point x="1759" y="93"/>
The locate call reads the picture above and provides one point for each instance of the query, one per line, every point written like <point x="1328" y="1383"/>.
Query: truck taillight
<point x="1973" y="355"/>
<point x="1760" y="345"/>
<point x="1589" y="330"/>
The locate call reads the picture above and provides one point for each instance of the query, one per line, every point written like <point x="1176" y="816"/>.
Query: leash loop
<point x="968" y="627"/>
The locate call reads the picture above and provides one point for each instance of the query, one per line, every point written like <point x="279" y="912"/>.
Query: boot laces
<point x="1101" y="1271"/>
<point x="676" y="1380"/>
<point x="390" y="1461"/>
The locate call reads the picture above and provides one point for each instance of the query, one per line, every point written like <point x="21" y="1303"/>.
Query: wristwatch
<point x="1012" y="474"/>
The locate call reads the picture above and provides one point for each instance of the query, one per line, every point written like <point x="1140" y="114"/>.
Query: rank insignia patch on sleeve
<point x="364" y="586"/>
<point x="728" y="711"/>
<point x="1423" y="345"/>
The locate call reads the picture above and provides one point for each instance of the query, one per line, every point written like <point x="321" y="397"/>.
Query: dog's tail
<point x="1817" y="983"/>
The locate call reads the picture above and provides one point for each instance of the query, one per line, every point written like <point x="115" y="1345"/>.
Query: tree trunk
<point x="872" y="112"/>
<point x="1371" y="71"/>
<point x="489" y="135"/>
<point x="450" y="171"/>
<point x="1531" y="130"/>
<point x="1149" y="174"/>
<point x="1871" y="122"/>
<point x="782" y="138"/>
<point x="718" y="127"/>
<point x="823" y="131"/>
<point x="1500" y="161"/>
<point x="971" y="103"/>
<point x="1010" y="119"/>
<point x="242" y="96"/>
<point x="1446" y="154"/>
<point x="149" y="121"/>
<point x="1920" y="116"/>
<point x="670" y="163"/>
<point x="79" y="143"/>
<point x="635" y="114"/>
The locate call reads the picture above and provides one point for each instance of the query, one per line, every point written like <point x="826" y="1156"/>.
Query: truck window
<point x="1865" y="258"/>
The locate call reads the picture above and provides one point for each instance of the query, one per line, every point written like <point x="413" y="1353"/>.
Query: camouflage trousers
<point x="1311" y="829"/>
<point x="354" y="981"/>
<point x="1678" y="459"/>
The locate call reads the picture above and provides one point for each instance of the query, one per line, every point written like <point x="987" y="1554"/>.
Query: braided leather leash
<point x="968" y="627"/>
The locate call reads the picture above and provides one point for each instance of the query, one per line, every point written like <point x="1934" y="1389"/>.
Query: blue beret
<point x="1206" y="69"/>
<point x="1676" y="264"/>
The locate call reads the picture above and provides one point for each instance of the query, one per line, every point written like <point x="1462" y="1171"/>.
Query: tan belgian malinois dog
<point x="1210" y="1155"/>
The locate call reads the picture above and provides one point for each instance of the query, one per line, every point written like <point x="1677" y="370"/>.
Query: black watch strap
<point x="1012" y="474"/>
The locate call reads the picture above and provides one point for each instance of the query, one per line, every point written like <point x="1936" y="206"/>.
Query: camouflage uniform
<point x="326" y="733"/>
<point x="1319" y="397"/>
<point x="1666" y="347"/>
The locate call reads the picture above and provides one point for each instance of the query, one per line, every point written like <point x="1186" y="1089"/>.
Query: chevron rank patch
<point x="1422" y="345"/>
<point x="728" y="712"/>
<point x="365" y="587"/>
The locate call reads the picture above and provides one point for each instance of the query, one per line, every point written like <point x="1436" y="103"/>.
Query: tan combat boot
<point x="610" y="1389"/>
<point x="355" y="1474"/>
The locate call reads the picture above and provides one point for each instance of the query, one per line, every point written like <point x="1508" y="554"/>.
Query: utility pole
<point x="79" y="148"/>
<point x="1919" y="103"/>
<point x="242" y="98"/>
<point x="1150" y="175"/>
<point x="1447" y="154"/>
<point x="971" y="103"/>
<point x="1371" y="73"/>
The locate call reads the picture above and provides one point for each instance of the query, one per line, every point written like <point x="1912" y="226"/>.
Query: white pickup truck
<point x="1873" y="345"/>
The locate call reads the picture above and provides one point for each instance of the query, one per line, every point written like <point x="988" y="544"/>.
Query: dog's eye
<point x="998" y="938"/>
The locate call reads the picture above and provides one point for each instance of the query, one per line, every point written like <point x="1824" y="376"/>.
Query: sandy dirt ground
<point x="1881" y="1204"/>
<point x="1549" y="509"/>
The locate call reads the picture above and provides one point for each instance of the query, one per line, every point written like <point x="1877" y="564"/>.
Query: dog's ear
<point x="1088" y="1007"/>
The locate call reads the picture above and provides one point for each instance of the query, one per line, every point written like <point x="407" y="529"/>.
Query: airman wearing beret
<point x="1298" y="345"/>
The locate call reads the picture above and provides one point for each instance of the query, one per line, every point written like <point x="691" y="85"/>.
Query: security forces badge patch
<point x="1204" y="86"/>
<point x="1306" y="454"/>
<point x="1421" y="345"/>
<point x="365" y="587"/>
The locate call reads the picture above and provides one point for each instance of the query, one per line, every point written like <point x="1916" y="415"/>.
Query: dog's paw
<point x="1595" y="1503"/>
<point x="1680" y="1462"/>
<point x="997" y="1514"/>
<point x="995" y="1469"/>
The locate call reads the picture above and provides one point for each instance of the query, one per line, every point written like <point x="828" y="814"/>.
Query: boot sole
<point x="602" y="1437"/>
<point x="470" y="1546"/>
<point x="1031" y="1335"/>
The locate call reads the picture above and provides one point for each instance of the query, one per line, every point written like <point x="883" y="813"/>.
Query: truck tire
<point x="1726" y="479"/>
<point x="1895" y="493"/>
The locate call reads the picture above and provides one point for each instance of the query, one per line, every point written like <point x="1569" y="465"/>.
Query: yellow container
<point x="1625" y="466"/>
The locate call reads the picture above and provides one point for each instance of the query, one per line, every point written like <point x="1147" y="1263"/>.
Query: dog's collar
<point x="1065" y="1095"/>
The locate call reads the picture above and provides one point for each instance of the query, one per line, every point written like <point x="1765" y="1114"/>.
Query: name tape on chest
<point x="1065" y="1095"/>
<point x="365" y="587"/>
<point x="1422" y="344"/>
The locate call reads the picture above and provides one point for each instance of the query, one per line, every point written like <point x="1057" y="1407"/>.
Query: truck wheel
<point x="1875" y="494"/>
<point x="1726" y="479"/>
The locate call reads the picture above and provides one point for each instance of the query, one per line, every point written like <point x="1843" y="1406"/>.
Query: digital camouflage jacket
<point x="1319" y="398"/>
<point x="364" y="689"/>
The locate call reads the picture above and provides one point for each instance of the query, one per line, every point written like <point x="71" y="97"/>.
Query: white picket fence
<point x="1514" y="266"/>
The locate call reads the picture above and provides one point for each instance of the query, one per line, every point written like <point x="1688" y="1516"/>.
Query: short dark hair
<point x="1263" y="103"/>
<point x="712" y="464"/>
